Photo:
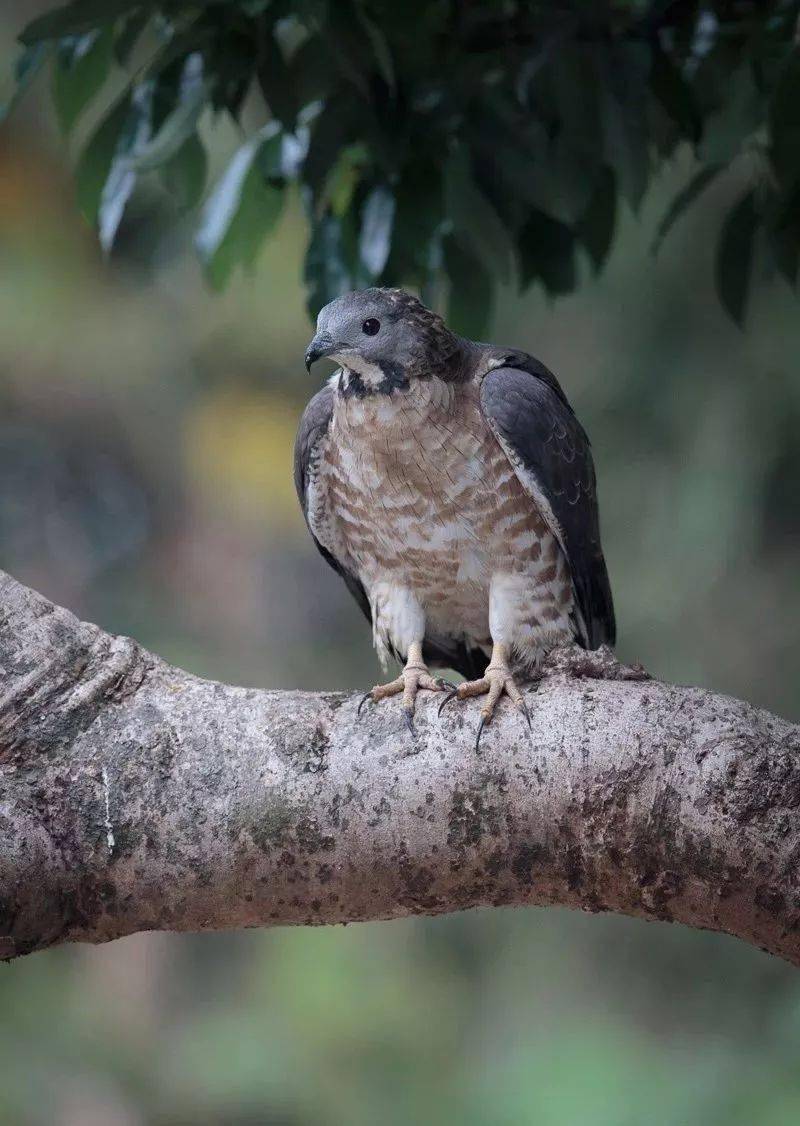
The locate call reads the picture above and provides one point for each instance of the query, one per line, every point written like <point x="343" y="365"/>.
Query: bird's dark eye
<point x="371" y="326"/>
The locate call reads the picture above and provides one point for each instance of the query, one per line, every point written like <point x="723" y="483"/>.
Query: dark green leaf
<point x="342" y="181"/>
<point x="625" y="131"/>
<point x="675" y="95"/>
<point x="274" y="80"/>
<point x="475" y="221"/>
<point x="734" y="259"/>
<point x="740" y="115"/>
<point x="665" y="136"/>
<point x="345" y="38"/>
<point x="96" y="159"/>
<point x="536" y="60"/>
<point x="380" y="50"/>
<point x="105" y="178"/>
<point x="595" y="228"/>
<point x="577" y="110"/>
<point x="782" y="215"/>
<point x="82" y="66"/>
<point x="77" y="18"/>
<point x="685" y="197"/>
<point x="293" y="152"/>
<point x="512" y="161"/>
<point x="327" y="274"/>
<point x="376" y="230"/>
<point x="225" y="199"/>
<point x="117" y="190"/>
<point x="184" y="176"/>
<point x="259" y="209"/>
<point x="547" y="252"/>
<point x="231" y="57"/>
<point x="626" y="150"/>
<point x="416" y="242"/>
<point x="28" y="65"/>
<point x="271" y="158"/>
<point x="562" y="184"/>
<point x="121" y="180"/>
<point x="786" y="254"/>
<point x="784" y="121"/>
<point x="470" y="299"/>
<point x="310" y="71"/>
<point x="333" y="129"/>
<point x="126" y="40"/>
<point x="240" y="213"/>
<point x="199" y="35"/>
<point x="181" y="123"/>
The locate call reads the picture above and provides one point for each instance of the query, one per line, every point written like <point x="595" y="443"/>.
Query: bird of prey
<point x="452" y="487"/>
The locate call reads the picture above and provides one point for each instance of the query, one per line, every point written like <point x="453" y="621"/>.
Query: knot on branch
<point x="594" y="664"/>
<point x="77" y="670"/>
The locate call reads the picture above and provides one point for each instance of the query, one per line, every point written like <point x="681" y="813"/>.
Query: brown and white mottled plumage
<point x="452" y="487"/>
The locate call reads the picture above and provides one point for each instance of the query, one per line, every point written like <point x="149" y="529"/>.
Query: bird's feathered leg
<point x="414" y="676"/>
<point x="495" y="681"/>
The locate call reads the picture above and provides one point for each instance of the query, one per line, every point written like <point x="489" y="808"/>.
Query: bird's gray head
<point x="384" y="339"/>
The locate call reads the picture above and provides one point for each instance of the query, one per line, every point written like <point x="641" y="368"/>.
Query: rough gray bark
<point x="134" y="796"/>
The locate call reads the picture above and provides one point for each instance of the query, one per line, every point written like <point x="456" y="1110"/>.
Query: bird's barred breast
<point x="421" y="496"/>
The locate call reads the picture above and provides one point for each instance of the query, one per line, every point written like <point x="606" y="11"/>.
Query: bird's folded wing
<point x="533" y="422"/>
<point x="311" y="434"/>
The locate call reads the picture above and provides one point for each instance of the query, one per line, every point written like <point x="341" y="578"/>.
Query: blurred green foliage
<point x="437" y="142"/>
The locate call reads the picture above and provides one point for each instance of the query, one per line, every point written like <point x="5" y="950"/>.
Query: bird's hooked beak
<point x="321" y="345"/>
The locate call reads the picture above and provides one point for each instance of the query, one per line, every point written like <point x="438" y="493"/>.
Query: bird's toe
<point x="408" y="684"/>
<point x="497" y="681"/>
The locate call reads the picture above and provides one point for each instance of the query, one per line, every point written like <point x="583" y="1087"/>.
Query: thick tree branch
<point x="134" y="796"/>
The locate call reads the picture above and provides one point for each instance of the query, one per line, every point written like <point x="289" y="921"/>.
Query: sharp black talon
<point x="362" y="701"/>
<point x="481" y="726"/>
<point x="450" y="696"/>
<point x="523" y="707"/>
<point x="446" y="684"/>
<point x="408" y="716"/>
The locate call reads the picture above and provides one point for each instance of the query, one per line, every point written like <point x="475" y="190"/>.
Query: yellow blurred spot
<point x="238" y="451"/>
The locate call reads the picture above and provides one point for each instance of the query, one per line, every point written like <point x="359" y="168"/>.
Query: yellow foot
<point x="411" y="679"/>
<point x="496" y="680"/>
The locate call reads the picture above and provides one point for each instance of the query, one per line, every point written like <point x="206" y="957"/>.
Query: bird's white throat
<point x="370" y="374"/>
<point x="424" y="400"/>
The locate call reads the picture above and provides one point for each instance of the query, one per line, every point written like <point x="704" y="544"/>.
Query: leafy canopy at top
<point x="469" y="141"/>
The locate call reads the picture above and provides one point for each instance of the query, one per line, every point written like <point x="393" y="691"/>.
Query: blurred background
<point x="146" y="429"/>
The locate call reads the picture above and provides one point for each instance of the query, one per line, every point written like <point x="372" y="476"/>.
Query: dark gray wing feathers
<point x="531" y="417"/>
<point x="313" y="427"/>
